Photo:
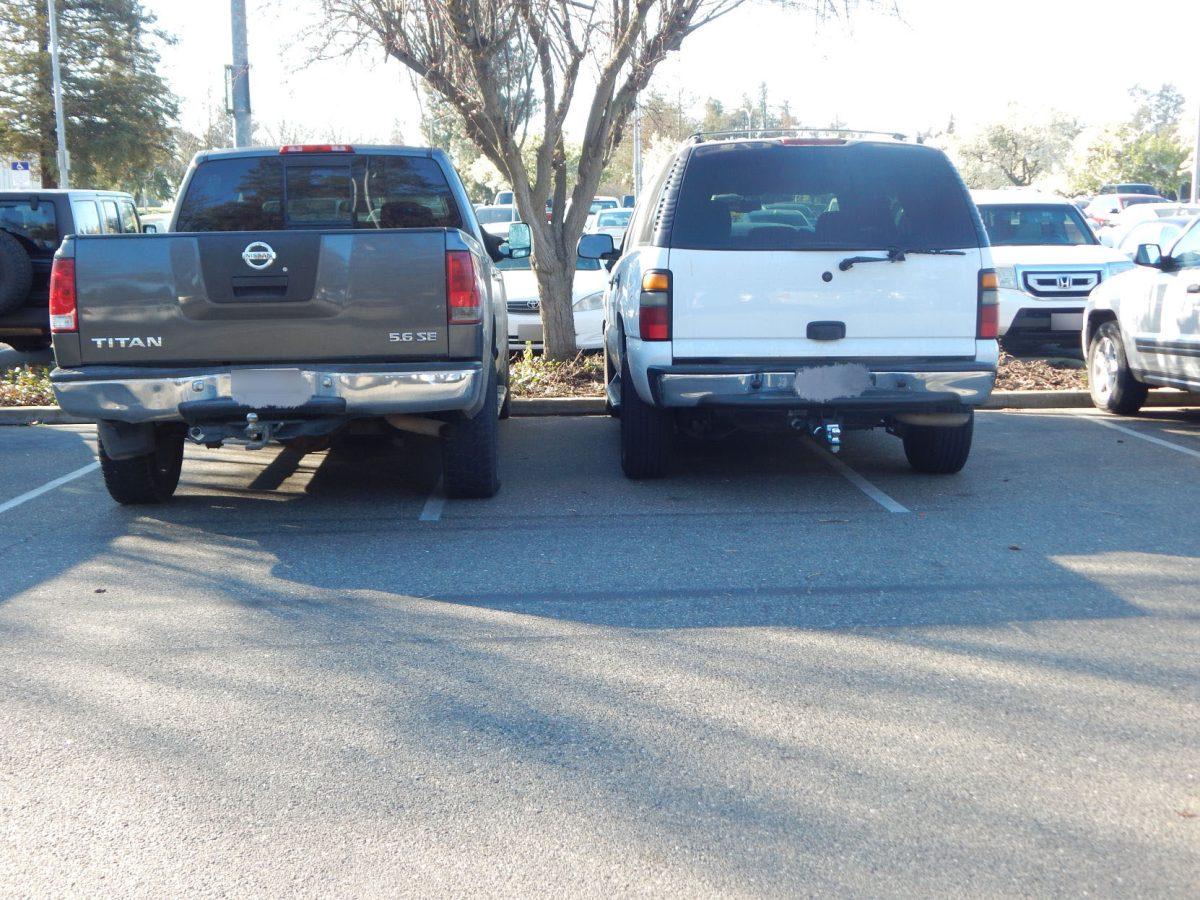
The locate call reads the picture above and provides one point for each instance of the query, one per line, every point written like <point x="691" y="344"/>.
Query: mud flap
<point x="125" y="440"/>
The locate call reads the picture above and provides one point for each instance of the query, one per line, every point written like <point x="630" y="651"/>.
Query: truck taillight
<point x="988" y="318"/>
<point x="463" y="305"/>
<point x="654" y="308"/>
<point x="62" y="297"/>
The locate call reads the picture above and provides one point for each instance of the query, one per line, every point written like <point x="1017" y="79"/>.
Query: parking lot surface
<point x="770" y="674"/>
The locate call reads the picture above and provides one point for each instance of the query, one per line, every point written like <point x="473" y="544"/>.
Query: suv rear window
<point x="36" y="229"/>
<point x="352" y="191"/>
<point x="774" y="196"/>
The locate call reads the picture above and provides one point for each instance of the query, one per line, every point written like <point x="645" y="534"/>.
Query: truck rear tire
<point x="646" y="432"/>
<point x="939" y="449"/>
<point x="16" y="273"/>
<point x="471" y="453"/>
<point x="151" y="478"/>
<point x="1110" y="380"/>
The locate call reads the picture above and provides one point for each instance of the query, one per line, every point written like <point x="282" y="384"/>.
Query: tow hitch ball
<point x="829" y="432"/>
<point x="258" y="434"/>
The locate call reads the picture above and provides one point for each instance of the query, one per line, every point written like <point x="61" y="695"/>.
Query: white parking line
<point x="857" y="480"/>
<point x="47" y="487"/>
<point x="1137" y="434"/>
<point x="434" y="503"/>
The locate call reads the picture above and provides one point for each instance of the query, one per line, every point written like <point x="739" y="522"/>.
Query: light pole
<point x="1196" y="161"/>
<point x="60" y="126"/>
<point x="240" y="75"/>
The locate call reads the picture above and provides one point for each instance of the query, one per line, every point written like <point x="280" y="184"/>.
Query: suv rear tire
<point x="1110" y="380"/>
<point x="471" y="452"/>
<point x="646" y="432"/>
<point x="16" y="273"/>
<point x="151" y="478"/>
<point x="939" y="449"/>
<point x="27" y="344"/>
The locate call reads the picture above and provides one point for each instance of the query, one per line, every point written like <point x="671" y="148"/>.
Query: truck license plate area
<point x="270" y="388"/>
<point x="820" y="384"/>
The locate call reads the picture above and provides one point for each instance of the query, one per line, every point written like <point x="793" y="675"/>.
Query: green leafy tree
<point x="1005" y="155"/>
<point x="119" y="112"/>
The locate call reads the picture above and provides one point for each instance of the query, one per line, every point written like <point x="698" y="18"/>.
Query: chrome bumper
<point x="126" y="395"/>
<point x="681" y="387"/>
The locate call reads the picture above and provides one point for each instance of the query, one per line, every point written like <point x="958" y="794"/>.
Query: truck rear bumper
<point x="868" y="387"/>
<point x="127" y="394"/>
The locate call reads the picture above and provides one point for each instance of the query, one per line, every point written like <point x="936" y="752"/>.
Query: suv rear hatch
<point x="764" y="237"/>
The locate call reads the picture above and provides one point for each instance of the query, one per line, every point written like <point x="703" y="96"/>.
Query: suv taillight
<point x="654" y="308"/>
<point x="462" y="289"/>
<point x="62" y="296"/>
<point x="988" y="318"/>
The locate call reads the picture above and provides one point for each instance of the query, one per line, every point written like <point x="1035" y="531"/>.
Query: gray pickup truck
<point x="298" y="290"/>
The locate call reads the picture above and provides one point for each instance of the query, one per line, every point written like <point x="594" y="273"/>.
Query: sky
<point x="939" y="58"/>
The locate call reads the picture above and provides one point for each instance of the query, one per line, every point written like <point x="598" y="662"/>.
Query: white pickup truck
<point x="1047" y="262"/>
<point x="1142" y="328"/>
<point x="813" y="281"/>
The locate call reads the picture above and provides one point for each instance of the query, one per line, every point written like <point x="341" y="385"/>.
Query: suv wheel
<point x="16" y="273"/>
<point x="939" y="449"/>
<point x="151" y="478"/>
<point x="646" y="432"/>
<point x="1110" y="380"/>
<point x="471" y="452"/>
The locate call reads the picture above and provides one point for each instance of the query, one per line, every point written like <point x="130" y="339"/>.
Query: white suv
<point x="1047" y="262"/>
<point x="813" y="282"/>
<point x="1143" y="327"/>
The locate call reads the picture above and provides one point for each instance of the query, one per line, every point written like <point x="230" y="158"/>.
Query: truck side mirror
<point x="597" y="246"/>
<point x="1149" y="255"/>
<point x="520" y="241"/>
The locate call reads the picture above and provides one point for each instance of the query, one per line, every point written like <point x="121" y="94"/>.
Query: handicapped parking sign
<point x="20" y="175"/>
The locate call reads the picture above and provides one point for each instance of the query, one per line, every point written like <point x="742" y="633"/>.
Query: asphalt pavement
<point x="774" y="673"/>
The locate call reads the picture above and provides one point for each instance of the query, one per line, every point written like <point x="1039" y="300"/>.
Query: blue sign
<point x="21" y="165"/>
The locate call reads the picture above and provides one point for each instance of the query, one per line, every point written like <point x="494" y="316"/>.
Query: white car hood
<point x="1057" y="255"/>
<point x="521" y="284"/>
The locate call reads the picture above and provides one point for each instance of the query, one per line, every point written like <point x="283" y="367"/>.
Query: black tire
<point x="146" y="479"/>
<point x="939" y="449"/>
<point x="506" y="406"/>
<point x="471" y="452"/>
<point x="646" y="432"/>
<point x="16" y="274"/>
<point x="1111" y="382"/>
<point x="28" y="344"/>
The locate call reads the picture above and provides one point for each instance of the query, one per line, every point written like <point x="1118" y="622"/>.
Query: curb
<point x="594" y="406"/>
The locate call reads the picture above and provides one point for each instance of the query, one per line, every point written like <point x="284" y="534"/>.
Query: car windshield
<point x="614" y="219"/>
<point x="352" y="191"/>
<point x="523" y="265"/>
<point x="1021" y="224"/>
<point x="759" y="196"/>
<point x="490" y="215"/>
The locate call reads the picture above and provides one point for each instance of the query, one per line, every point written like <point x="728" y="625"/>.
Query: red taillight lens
<point x="62" y="296"/>
<point x="316" y="148"/>
<point x="654" y="310"/>
<point x="988" y="319"/>
<point x="462" y="289"/>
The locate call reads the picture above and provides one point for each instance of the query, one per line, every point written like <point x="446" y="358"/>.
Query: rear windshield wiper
<point x="894" y="254"/>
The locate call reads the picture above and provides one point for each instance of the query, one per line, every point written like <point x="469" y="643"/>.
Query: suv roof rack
<point x="700" y="137"/>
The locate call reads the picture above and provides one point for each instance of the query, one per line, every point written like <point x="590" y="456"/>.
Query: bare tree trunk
<point x="555" y="277"/>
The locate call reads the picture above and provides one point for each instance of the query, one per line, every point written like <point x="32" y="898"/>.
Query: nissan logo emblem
<point x="258" y="255"/>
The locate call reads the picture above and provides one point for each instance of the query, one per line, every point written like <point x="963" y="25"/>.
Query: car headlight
<point x="1007" y="277"/>
<point x="589" y="302"/>
<point x="1116" y="268"/>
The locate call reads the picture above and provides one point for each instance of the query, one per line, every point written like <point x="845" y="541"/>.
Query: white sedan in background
<point x="525" y="311"/>
<point x="497" y="219"/>
<point x="610" y="221"/>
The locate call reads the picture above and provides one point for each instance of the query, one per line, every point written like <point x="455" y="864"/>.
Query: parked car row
<point x="798" y="282"/>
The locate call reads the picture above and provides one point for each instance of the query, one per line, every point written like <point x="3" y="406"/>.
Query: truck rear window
<point x="772" y="196"/>
<point x="353" y="191"/>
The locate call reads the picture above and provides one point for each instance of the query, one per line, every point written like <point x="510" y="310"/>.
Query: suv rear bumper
<point x="928" y="386"/>
<point x="127" y="394"/>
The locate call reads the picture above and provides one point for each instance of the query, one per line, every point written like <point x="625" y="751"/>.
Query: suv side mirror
<point x="520" y="241"/>
<point x="1149" y="255"/>
<point x="597" y="246"/>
